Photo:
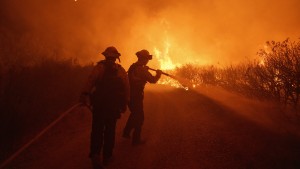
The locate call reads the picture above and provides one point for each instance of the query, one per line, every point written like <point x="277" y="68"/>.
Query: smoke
<point x="204" y="32"/>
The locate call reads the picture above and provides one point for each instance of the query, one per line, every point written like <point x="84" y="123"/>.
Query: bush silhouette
<point x="275" y="76"/>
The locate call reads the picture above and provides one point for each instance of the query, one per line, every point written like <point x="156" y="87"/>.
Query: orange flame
<point x="167" y="64"/>
<point x="163" y="57"/>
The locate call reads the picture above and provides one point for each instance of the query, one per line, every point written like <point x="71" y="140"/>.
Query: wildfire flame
<point x="166" y="64"/>
<point x="164" y="58"/>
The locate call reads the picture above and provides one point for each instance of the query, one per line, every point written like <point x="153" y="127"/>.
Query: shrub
<point x="281" y="69"/>
<point x="276" y="76"/>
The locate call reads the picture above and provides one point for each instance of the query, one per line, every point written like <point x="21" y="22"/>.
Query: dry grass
<point x="275" y="76"/>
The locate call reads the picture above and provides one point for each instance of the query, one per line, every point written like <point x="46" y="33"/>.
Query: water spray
<point x="181" y="81"/>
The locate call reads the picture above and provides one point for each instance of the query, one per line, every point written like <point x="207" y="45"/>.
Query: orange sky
<point x="190" y="31"/>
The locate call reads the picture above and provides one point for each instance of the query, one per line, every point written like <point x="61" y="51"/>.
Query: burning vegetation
<point x="38" y="47"/>
<point x="276" y="75"/>
<point x="30" y="70"/>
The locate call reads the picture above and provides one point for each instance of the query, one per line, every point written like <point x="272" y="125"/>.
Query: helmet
<point x="144" y="54"/>
<point x="111" y="52"/>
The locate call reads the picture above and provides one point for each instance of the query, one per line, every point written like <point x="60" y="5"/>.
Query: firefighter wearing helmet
<point x="107" y="93"/>
<point x="138" y="77"/>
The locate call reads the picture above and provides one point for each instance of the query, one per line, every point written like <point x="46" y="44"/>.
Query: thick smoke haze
<point x="190" y="31"/>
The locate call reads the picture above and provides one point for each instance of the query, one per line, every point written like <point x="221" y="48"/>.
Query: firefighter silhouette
<point x="138" y="75"/>
<point x="107" y="89"/>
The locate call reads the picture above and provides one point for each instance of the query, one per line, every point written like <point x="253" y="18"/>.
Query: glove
<point x="84" y="99"/>
<point x="123" y="109"/>
<point x="158" y="72"/>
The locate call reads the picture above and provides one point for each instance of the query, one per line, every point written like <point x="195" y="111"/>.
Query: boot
<point x="138" y="142"/>
<point x="96" y="162"/>
<point x="107" y="160"/>
<point x="136" y="137"/>
<point x="126" y="135"/>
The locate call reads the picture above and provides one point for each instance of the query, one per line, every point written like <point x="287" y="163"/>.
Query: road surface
<point x="183" y="129"/>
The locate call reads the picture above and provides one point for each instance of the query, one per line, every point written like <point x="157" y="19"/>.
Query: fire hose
<point x="171" y="76"/>
<point x="181" y="81"/>
<point x="20" y="150"/>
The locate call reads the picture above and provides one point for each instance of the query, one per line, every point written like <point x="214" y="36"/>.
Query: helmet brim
<point x="111" y="54"/>
<point x="145" y="57"/>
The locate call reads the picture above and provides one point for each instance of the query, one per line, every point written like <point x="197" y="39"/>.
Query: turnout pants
<point x="135" y="120"/>
<point x="102" y="134"/>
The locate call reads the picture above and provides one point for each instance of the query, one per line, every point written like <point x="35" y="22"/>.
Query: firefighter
<point x="138" y="77"/>
<point x="107" y="92"/>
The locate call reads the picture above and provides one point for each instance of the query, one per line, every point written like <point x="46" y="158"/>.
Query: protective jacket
<point x="108" y="87"/>
<point x="138" y="77"/>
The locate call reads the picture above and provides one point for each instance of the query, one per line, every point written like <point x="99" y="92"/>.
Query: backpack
<point x="110" y="92"/>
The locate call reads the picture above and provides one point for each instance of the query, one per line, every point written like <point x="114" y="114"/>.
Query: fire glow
<point x="166" y="64"/>
<point x="163" y="57"/>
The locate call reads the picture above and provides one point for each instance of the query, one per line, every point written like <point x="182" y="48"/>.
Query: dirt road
<point x="183" y="129"/>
